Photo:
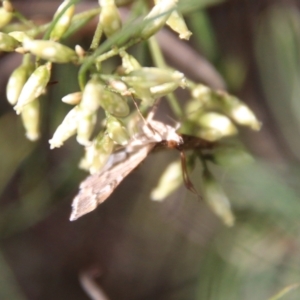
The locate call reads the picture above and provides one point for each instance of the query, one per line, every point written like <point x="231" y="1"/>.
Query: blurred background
<point x="137" y="249"/>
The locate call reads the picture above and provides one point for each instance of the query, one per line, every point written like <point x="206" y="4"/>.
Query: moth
<point x="98" y="187"/>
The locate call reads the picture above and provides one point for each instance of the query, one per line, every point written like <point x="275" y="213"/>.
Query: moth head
<point x="163" y="132"/>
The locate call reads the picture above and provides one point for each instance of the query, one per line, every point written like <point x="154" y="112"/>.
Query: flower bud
<point x="177" y="23"/>
<point x="238" y="111"/>
<point x="144" y="95"/>
<point x="16" y="82"/>
<point x="91" y="95"/>
<point x="50" y="50"/>
<point x="98" y="153"/>
<point x="80" y="51"/>
<point x="163" y="89"/>
<point x="20" y="36"/>
<point x="66" y="129"/>
<point x="129" y="63"/>
<point x="215" y="126"/>
<point x="5" y="17"/>
<point x="116" y="131"/>
<point x="64" y="21"/>
<point x="151" y="77"/>
<point x="114" y="104"/>
<point x="193" y="110"/>
<point x="7" y="43"/>
<point x="73" y="98"/>
<point x="119" y="86"/>
<point x="85" y="127"/>
<point x="169" y="181"/>
<point x="202" y="93"/>
<point x="157" y="17"/>
<point x="34" y="86"/>
<point x="31" y="119"/>
<point x="109" y="19"/>
<point x="217" y="199"/>
<point x="7" y="5"/>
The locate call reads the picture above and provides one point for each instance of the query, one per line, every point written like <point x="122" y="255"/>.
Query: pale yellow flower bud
<point x="114" y="104"/>
<point x="98" y="153"/>
<point x="5" y="17"/>
<point x="91" y="95"/>
<point x="64" y="22"/>
<point x="109" y="17"/>
<point x="202" y="93"/>
<point x="163" y="89"/>
<point x="7" y="43"/>
<point x="7" y="6"/>
<point x="119" y="86"/>
<point x="50" y="50"/>
<point x="73" y="98"/>
<point x="34" y="86"/>
<point x="193" y="110"/>
<point x="129" y="63"/>
<point x="214" y="126"/>
<point x="31" y="119"/>
<point x="217" y="199"/>
<point x="80" y="51"/>
<point x="85" y="127"/>
<point x="177" y="23"/>
<point x="238" y="111"/>
<point x="66" y="129"/>
<point x="169" y="181"/>
<point x="16" y="82"/>
<point x="19" y="35"/>
<point x="148" y="77"/>
<point x="157" y="17"/>
<point x="116" y="131"/>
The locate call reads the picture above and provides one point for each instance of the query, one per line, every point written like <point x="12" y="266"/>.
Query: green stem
<point x="156" y="53"/>
<point x="160" y="63"/>
<point x="24" y="20"/>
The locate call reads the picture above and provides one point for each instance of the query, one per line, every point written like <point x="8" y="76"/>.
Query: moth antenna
<point x="153" y="110"/>
<point x="138" y="109"/>
<point x="186" y="179"/>
<point x="177" y="124"/>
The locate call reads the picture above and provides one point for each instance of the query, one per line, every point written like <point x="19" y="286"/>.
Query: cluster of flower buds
<point x="149" y="84"/>
<point x="82" y="118"/>
<point x="212" y="115"/>
<point x="34" y="86"/>
<point x="23" y="90"/>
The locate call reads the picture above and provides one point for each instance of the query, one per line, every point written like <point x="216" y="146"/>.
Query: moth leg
<point x="186" y="179"/>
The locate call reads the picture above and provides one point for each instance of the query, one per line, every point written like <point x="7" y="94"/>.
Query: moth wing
<point x="97" y="188"/>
